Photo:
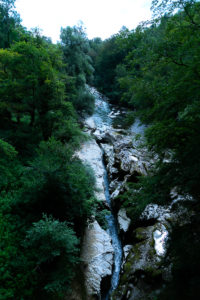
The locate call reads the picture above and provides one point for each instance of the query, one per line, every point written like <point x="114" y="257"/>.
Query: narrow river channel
<point x="108" y="117"/>
<point x="103" y="120"/>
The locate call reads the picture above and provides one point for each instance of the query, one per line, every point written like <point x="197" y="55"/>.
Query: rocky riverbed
<point x="143" y="271"/>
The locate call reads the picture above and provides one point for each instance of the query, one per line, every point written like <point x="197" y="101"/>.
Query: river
<point x="107" y="116"/>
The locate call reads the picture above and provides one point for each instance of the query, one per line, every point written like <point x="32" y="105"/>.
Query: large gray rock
<point x="97" y="256"/>
<point x="89" y="124"/>
<point x="105" y="135"/>
<point x="143" y="264"/>
<point x="157" y="212"/>
<point x="91" y="154"/>
<point x="168" y="215"/>
<point x="123" y="220"/>
<point x="129" y="157"/>
<point x="109" y="159"/>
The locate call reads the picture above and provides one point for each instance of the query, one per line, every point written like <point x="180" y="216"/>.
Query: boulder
<point x="123" y="220"/>
<point x="91" y="154"/>
<point x="97" y="256"/>
<point x="89" y="125"/>
<point x="109" y="159"/>
<point x="143" y="266"/>
<point x="156" y="212"/>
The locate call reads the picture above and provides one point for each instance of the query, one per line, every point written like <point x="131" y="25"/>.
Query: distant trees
<point x="9" y="23"/>
<point x="32" y="87"/>
<point x="108" y="56"/>
<point x="79" y="67"/>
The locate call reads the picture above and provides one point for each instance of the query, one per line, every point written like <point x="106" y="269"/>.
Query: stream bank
<point x="112" y="170"/>
<point x="143" y="272"/>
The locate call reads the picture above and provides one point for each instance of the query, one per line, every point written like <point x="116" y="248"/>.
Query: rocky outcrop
<point x="123" y="220"/>
<point x="146" y="269"/>
<point x="143" y="269"/>
<point x="91" y="154"/>
<point x="97" y="255"/>
<point x="89" y="125"/>
<point x="125" y="160"/>
<point x="97" y="250"/>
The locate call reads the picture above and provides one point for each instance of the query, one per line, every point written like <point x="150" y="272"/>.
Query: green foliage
<point x="52" y="243"/>
<point x="42" y="93"/>
<point x="8" y="165"/>
<point x="100" y="213"/>
<point x="53" y="187"/>
<point x="76" y="48"/>
<point x="184" y="251"/>
<point x="9" y="23"/>
<point x="84" y="102"/>
<point x="109" y="56"/>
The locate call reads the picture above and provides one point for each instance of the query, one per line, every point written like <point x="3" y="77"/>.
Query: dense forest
<point x="43" y="203"/>
<point x="46" y="193"/>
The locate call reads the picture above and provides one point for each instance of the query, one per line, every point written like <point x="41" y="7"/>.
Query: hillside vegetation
<point x="154" y="71"/>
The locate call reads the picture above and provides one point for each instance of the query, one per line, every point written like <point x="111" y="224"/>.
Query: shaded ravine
<point x="109" y="117"/>
<point x="103" y="120"/>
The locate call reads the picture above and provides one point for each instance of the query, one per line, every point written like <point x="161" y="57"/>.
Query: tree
<point x="79" y="67"/>
<point x="9" y="23"/>
<point x="53" y="244"/>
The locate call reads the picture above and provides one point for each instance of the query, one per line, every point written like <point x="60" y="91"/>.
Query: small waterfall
<point x="113" y="231"/>
<point x="108" y="117"/>
<point x="103" y="121"/>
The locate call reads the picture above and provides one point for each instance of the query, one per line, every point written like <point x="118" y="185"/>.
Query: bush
<point x="52" y="242"/>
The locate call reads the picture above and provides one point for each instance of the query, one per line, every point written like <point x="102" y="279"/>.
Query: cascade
<point x="113" y="231"/>
<point x="103" y="120"/>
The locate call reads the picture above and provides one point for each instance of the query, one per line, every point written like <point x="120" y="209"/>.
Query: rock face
<point x="91" y="154"/>
<point x="124" y="160"/>
<point x="143" y="266"/>
<point x="97" y="255"/>
<point x="143" y="272"/>
<point x="97" y="251"/>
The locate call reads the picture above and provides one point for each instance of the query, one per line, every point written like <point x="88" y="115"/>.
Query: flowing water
<point x="103" y="120"/>
<point x="108" y="116"/>
<point x="113" y="231"/>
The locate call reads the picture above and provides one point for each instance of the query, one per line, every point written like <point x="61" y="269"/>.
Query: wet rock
<point x="132" y="158"/>
<point x="114" y="185"/>
<point x="97" y="256"/>
<point x="98" y="135"/>
<point x="105" y="134"/>
<point x="126" y="251"/>
<point x="89" y="125"/>
<point x="109" y="159"/>
<point x="168" y="215"/>
<point x="117" y="192"/>
<point x="157" y="212"/>
<point x="91" y="154"/>
<point x="119" y="187"/>
<point x="143" y="272"/>
<point x="160" y="237"/>
<point x="123" y="220"/>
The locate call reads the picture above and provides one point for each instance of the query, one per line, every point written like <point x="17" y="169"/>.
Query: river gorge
<point x="125" y="261"/>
